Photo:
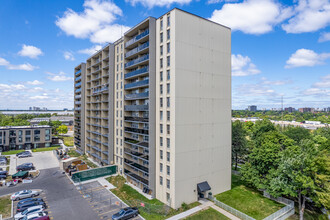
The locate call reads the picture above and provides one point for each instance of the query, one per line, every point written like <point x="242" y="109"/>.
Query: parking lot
<point x="44" y="198"/>
<point x="101" y="200"/>
<point x="41" y="161"/>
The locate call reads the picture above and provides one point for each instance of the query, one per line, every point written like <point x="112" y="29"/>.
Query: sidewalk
<point x="205" y="204"/>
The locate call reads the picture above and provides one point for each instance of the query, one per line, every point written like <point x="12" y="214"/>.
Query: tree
<point x="296" y="175"/>
<point x="55" y="125"/>
<point x="239" y="142"/>
<point x="44" y="123"/>
<point x="63" y="129"/>
<point x="297" y="133"/>
<point x="261" y="127"/>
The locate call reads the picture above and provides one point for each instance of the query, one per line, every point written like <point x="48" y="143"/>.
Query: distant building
<point x="25" y="137"/>
<point x="326" y="109"/>
<point x="30" y="108"/>
<point x="289" y="109"/>
<point x="68" y="121"/>
<point x="252" y="108"/>
<point x="306" y="109"/>
<point x="65" y="109"/>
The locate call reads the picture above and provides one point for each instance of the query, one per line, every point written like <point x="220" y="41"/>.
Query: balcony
<point x="106" y="144"/>
<point x="136" y="107"/>
<point x="137" y="72"/>
<point x="97" y="156"/>
<point x="77" y="102"/>
<point x="105" y="161"/>
<point x="78" y="72"/>
<point x="136" y="154"/>
<point x="77" y="109"/>
<point x="96" y="140"/>
<point x="136" y="61"/>
<point x="137" y="131"/>
<point x="77" y="96"/>
<point x="77" y="84"/>
<point x="138" y="84"/>
<point x="104" y="88"/>
<point x="135" y="96"/>
<point x="78" y="90"/>
<point x="78" y="78"/>
<point x="137" y="38"/>
<point x="105" y="152"/>
<point x="96" y="148"/>
<point x="136" y="165"/>
<point x="137" y="49"/>
<point x="136" y="142"/>
<point x="136" y="177"/>
<point x="136" y="119"/>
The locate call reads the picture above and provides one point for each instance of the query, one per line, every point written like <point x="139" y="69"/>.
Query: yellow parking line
<point x="100" y="207"/>
<point x="106" y="212"/>
<point x="100" y="201"/>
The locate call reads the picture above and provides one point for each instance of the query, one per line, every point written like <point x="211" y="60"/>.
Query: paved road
<point x="64" y="200"/>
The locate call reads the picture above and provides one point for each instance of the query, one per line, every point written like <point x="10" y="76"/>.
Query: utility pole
<point x="282" y="111"/>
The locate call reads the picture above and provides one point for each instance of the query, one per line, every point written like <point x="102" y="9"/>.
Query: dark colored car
<point x="24" y="154"/>
<point x="26" y="205"/>
<point x="3" y="160"/>
<point x="29" y="200"/>
<point x="126" y="213"/>
<point x="25" y="167"/>
<point x="3" y="174"/>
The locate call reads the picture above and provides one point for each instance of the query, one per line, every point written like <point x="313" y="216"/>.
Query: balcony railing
<point x="77" y="102"/>
<point x="78" y="72"/>
<point x="77" y="84"/>
<point x="96" y="148"/>
<point x="136" y="165"/>
<point x="137" y="84"/>
<point x="105" y="161"/>
<point x="134" y="96"/>
<point x="104" y="88"/>
<point x="97" y="156"/>
<point x="139" y="119"/>
<point x="77" y="109"/>
<point x="137" y="130"/>
<point x="136" y="177"/>
<point x="77" y="96"/>
<point x="136" y="107"/>
<point x="137" y="49"/>
<point x="137" y="72"/>
<point x="136" y="38"/>
<point x="78" y="78"/>
<point x="105" y="152"/>
<point x="136" y="143"/>
<point x="137" y="60"/>
<point x="78" y="90"/>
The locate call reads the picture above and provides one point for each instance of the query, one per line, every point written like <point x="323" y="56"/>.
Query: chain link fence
<point x="150" y="208"/>
<point x="283" y="213"/>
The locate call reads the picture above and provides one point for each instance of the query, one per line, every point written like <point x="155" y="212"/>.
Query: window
<point x="168" y="171"/>
<point x="168" y="115"/>
<point x="168" y="88"/>
<point x="36" y="132"/>
<point x="168" y="197"/>
<point x="168" y="75"/>
<point x="117" y="58"/>
<point x="27" y="139"/>
<point x="161" y="141"/>
<point x="161" y="62"/>
<point x="161" y="115"/>
<point x="168" y="20"/>
<point x="161" y="128"/>
<point x="168" y="34"/>
<point x="168" y="129"/>
<point x="20" y="132"/>
<point x="168" y="156"/>
<point x="161" y="180"/>
<point x="36" y="138"/>
<point x="20" y="139"/>
<point x="168" y="142"/>
<point x="168" y="183"/>
<point x="161" y="89"/>
<point x="161" y="37"/>
<point x="27" y="133"/>
<point x="161" y="76"/>
<point x="168" y="102"/>
<point x="161" y="50"/>
<point x="161" y="167"/>
<point x="168" y="61"/>
<point x="161" y="102"/>
<point x="161" y="154"/>
<point x="168" y="47"/>
<point x="161" y="24"/>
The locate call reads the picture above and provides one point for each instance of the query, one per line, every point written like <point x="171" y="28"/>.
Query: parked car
<point x="3" y="160"/>
<point x="25" y="167"/>
<point x="126" y="213"/>
<point x="24" y="194"/>
<point x="24" y="154"/>
<point x="29" y="200"/>
<point x="26" y="205"/>
<point x="37" y="216"/>
<point x="29" y="211"/>
<point x="3" y="174"/>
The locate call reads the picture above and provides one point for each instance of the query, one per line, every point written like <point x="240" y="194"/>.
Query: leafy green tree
<point x="44" y="123"/>
<point x="261" y="127"/>
<point x="63" y="129"/>
<point x="55" y="125"/>
<point x="297" y="133"/>
<point x="296" y="175"/>
<point x="239" y="142"/>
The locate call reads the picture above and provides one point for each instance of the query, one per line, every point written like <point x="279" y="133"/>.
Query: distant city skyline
<point x="276" y="52"/>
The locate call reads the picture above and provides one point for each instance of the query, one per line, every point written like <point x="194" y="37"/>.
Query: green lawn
<point x="131" y="197"/>
<point x="308" y="215"/>
<point x="44" y="149"/>
<point x="12" y="152"/>
<point x="68" y="141"/>
<point x="209" y="214"/>
<point x="248" y="201"/>
<point x="5" y="206"/>
<point x="73" y="153"/>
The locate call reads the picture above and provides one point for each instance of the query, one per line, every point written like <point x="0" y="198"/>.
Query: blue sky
<point x="279" y="48"/>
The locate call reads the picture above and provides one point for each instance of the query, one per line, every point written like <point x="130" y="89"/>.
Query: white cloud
<point x="3" y="62"/>
<point x="255" y="90"/>
<point x="60" y="77"/>
<point x="324" y="37"/>
<point x="324" y="83"/>
<point x="275" y="82"/>
<point x="91" y="50"/>
<point x="109" y="33"/>
<point x="25" y="66"/>
<point x="310" y="16"/>
<point x="34" y="83"/>
<point x="317" y="92"/>
<point x="30" y="51"/>
<point x="218" y="1"/>
<point x="305" y="57"/>
<point x="152" y="3"/>
<point x="40" y="97"/>
<point x="68" y="56"/>
<point x="242" y="66"/>
<point x="97" y="15"/>
<point x="252" y="16"/>
<point x="6" y="88"/>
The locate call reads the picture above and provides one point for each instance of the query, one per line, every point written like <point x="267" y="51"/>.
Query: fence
<point x="233" y="211"/>
<point x="94" y="173"/>
<point x="283" y="213"/>
<point x="149" y="208"/>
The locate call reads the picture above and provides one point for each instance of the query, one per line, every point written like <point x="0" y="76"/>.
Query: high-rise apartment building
<point x="158" y="105"/>
<point x="252" y="108"/>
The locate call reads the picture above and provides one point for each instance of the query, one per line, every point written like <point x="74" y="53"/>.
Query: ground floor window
<point x="47" y="145"/>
